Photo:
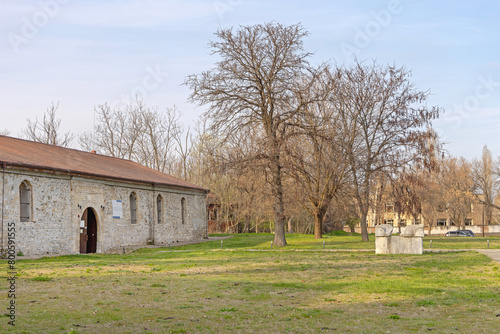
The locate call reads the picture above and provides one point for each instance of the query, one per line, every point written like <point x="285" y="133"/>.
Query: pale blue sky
<point x="84" y="53"/>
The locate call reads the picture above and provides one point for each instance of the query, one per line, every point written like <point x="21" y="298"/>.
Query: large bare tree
<point x="486" y="182"/>
<point x="317" y="160"/>
<point x="431" y="198"/>
<point x="458" y="189"/>
<point x="387" y="117"/>
<point x="47" y="130"/>
<point x="257" y="83"/>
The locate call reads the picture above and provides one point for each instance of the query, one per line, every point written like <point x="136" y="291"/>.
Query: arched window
<point x="159" y="204"/>
<point x="25" y="201"/>
<point x="133" y="208"/>
<point x="183" y="210"/>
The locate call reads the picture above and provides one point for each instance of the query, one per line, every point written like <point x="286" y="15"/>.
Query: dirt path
<point x="493" y="253"/>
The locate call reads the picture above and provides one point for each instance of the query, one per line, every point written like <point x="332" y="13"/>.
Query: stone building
<point x="476" y="220"/>
<point x="65" y="201"/>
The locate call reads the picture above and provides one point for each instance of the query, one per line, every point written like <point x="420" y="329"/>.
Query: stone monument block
<point x="409" y="242"/>
<point x="383" y="230"/>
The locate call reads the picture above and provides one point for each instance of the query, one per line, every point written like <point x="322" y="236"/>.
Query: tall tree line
<point x="284" y="141"/>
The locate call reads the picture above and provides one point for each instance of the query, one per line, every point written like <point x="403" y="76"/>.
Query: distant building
<point x="66" y="201"/>
<point x="476" y="220"/>
<point x="476" y="216"/>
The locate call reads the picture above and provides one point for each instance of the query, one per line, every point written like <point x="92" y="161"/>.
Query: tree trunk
<point x="308" y="228"/>
<point x="247" y="224"/>
<point x="319" y="217"/>
<point x="483" y="220"/>
<point x="318" y="224"/>
<point x="364" y="227"/>
<point x="279" y="224"/>
<point x="290" y="227"/>
<point x="279" y="206"/>
<point x="399" y="221"/>
<point x="364" y="209"/>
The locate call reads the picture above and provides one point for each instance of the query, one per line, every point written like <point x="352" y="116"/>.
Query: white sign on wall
<point x="117" y="208"/>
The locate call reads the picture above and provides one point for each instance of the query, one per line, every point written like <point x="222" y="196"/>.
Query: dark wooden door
<point x="83" y="233"/>
<point x="88" y="232"/>
<point x="91" y="231"/>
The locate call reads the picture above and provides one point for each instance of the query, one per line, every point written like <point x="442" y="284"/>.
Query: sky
<point x="82" y="54"/>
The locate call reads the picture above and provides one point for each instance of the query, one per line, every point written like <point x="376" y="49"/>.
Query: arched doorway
<point x="88" y="232"/>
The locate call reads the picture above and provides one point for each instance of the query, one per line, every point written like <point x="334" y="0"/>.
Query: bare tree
<point x="116" y="132"/>
<point x="398" y="192"/>
<point x="137" y="133"/>
<point x="431" y="198"/>
<point x="405" y="188"/>
<point x="257" y="83"/>
<point x="486" y="182"/>
<point x="184" y="148"/>
<point x="317" y="160"/>
<point x="344" y="209"/>
<point x="47" y="131"/>
<point x="387" y="116"/>
<point x="429" y="193"/>
<point x="156" y="142"/>
<point x="240" y="191"/>
<point x="458" y="186"/>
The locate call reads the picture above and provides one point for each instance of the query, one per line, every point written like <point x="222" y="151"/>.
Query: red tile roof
<point x="24" y="153"/>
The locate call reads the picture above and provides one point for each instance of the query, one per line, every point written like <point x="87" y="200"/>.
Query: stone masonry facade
<point x="58" y="201"/>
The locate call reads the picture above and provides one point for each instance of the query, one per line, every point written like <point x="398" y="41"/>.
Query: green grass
<point x="441" y="242"/>
<point x="201" y="289"/>
<point x="339" y="240"/>
<point x="262" y="241"/>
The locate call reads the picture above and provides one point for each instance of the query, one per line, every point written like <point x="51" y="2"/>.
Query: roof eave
<point x="80" y="173"/>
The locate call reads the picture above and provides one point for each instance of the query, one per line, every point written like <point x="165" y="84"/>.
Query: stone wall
<point x="59" y="200"/>
<point x="49" y="230"/>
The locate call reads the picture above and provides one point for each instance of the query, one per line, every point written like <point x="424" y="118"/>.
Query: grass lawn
<point x="307" y="242"/>
<point x="201" y="289"/>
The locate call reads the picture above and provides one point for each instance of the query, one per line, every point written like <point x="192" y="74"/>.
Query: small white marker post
<point x="323" y="244"/>
<point x="221" y="244"/>
<point x="271" y="245"/>
<point x="430" y="246"/>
